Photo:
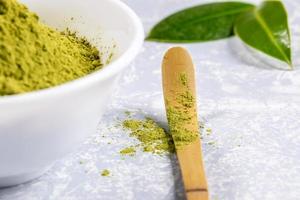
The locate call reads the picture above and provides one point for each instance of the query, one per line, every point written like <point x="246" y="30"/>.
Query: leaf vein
<point x="264" y="26"/>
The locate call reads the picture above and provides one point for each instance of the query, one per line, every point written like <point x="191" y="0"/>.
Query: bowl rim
<point x="108" y="71"/>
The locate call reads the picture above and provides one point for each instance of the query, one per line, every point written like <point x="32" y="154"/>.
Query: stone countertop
<point x="251" y="153"/>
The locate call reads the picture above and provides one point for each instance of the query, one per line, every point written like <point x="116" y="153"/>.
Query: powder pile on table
<point x="151" y="136"/>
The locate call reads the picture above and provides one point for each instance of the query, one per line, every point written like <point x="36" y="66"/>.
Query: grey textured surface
<point x="253" y="152"/>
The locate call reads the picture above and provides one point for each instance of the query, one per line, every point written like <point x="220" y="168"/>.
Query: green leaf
<point x="201" y="23"/>
<point x="266" y="29"/>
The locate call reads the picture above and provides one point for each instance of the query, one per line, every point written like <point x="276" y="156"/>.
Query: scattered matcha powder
<point x="128" y="113"/>
<point x="209" y="131"/>
<point x="128" y="151"/>
<point x="105" y="172"/>
<point x="34" y="56"/>
<point x="153" y="138"/>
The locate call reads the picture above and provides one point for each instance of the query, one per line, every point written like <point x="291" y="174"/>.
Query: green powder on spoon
<point x="105" y="172"/>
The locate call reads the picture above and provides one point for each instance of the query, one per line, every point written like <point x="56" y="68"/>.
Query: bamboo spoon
<point x="176" y="62"/>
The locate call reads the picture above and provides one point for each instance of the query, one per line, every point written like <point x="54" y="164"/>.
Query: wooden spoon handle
<point x="192" y="169"/>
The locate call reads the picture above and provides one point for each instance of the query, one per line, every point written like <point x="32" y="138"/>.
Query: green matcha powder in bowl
<point x="54" y="82"/>
<point x="34" y="56"/>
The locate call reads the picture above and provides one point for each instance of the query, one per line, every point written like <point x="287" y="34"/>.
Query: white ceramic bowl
<point x="37" y="128"/>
